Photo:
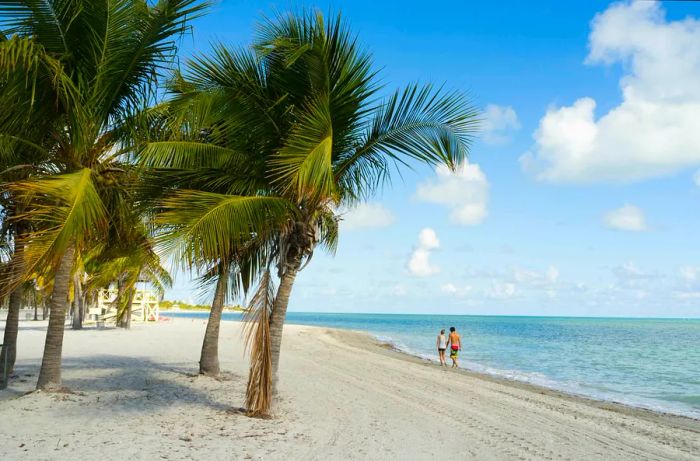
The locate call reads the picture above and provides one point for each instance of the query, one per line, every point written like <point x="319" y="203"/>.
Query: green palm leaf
<point x="201" y="226"/>
<point x="419" y="123"/>
<point x="65" y="210"/>
<point x="190" y="155"/>
<point x="303" y="167"/>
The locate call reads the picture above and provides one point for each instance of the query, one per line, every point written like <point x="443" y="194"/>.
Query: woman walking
<point x="441" y="346"/>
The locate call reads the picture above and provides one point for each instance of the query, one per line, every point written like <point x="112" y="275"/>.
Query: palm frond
<point x="199" y="226"/>
<point x="419" y="123"/>
<point x="257" y="342"/>
<point x="303" y="167"/>
<point x="138" y="42"/>
<point x="65" y="210"/>
<point x="190" y="155"/>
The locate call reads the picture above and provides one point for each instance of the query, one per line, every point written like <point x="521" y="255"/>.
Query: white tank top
<point x="443" y="342"/>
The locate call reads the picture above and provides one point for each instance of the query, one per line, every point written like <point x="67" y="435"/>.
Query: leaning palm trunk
<point x="209" y="359"/>
<point x="50" y="373"/>
<point x="258" y="340"/>
<point x="279" y="312"/>
<point x="9" y="350"/>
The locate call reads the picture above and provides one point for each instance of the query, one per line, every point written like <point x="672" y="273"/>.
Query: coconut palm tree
<point x="296" y="119"/>
<point x="25" y="127"/>
<point x="98" y="60"/>
<point x="190" y="161"/>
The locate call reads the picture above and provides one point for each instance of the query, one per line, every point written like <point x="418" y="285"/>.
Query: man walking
<point x="455" y="344"/>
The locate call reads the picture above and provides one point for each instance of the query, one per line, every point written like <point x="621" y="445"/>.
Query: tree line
<point x="233" y="164"/>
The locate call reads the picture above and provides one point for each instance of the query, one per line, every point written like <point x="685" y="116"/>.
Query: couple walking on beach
<point x="454" y="342"/>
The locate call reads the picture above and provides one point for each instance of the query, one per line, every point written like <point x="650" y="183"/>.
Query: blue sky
<point x="581" y="196"/>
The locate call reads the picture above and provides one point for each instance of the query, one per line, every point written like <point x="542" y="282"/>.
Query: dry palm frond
<point x="257" y="341"/>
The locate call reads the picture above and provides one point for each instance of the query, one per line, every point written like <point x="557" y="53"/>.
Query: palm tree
<point x="98" y="61"/>
<point x="187" y="163"/>
<point x="297" y="120"/>
<point x="18" y="160"/>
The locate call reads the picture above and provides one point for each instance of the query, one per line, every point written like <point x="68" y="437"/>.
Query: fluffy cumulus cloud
<point x="419" y="263"/>
<point x="653" y="131"/>
<point x="367" y="216"/>
<point x="465" y="192"/>
<point x="499" y="123"/>
<point x="627" y="218"/>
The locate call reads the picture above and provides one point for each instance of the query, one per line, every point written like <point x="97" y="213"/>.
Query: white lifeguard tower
<point x="144" y="308"/>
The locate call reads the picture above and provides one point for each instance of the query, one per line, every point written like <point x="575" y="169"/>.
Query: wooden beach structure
<point x="144" y="308"/>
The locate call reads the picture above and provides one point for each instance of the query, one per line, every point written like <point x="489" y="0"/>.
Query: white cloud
<point x="631" y="276"/>
<point x="653" y="131"/>
<point x="525" y="275"/>
<point x="419" y="264"/>
<point x="552" y="274"/>
<point x="428" y="239"/>
<point x="627" y="218"/>
<point x="499" y="123"/>
<point x="453" y="290"/>
<point x="500" y="290"/>
<point x="464" y="191"/>
<point x="367" y="216"/>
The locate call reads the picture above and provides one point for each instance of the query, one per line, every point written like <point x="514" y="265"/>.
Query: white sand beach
<point x="135" y="396"/>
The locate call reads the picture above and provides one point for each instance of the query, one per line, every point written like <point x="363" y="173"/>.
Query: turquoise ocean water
<point x="650" y="363"/>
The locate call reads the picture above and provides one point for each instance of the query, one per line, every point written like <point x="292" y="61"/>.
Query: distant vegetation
<point x="168" y="305"/>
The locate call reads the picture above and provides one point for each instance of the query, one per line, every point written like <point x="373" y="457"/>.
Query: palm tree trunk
<point x="14" y="305"/>
<point x="11" y="327"/>
<point x="121" y="321"/>
<point x="77" y="297"/>
<point x="129" y="303"/>
<point x="50" y="373"/>
<point x="36" y="306"/>
<point x="209" y="359"/>
<point x="279" y="312"/>
<point x="81" y="306"/>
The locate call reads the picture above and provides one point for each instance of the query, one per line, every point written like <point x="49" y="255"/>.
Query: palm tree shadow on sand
<point x="113" y="383"/>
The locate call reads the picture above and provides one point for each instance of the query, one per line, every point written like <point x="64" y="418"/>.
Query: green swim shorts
<point x="453" y="353"/>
